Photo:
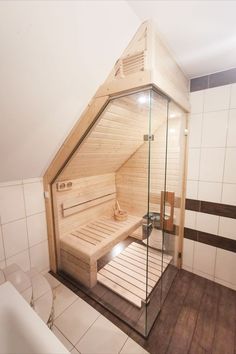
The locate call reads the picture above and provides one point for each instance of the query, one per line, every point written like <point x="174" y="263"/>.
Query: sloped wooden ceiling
<point x="118" y="133"/>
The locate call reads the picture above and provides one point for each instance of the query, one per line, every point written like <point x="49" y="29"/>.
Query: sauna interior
<point x="117" y="206"/>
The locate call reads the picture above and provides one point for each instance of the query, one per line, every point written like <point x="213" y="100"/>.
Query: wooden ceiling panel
<point x="117" y="134"/>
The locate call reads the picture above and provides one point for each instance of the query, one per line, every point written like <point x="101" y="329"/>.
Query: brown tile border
<point x="192" y="204"/>
<point x="210" y="239"/>
<point x="221" y="78"/>
<point x="225" y="210"/>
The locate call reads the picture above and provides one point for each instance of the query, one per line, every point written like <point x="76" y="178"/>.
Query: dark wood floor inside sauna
<point x="198" y="315"/>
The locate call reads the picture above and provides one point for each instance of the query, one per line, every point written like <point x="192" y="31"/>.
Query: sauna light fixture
<point x="172" y="115"/>
<point x="142" y="99"/>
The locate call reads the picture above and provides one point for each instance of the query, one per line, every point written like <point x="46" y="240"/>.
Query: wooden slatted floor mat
<point x="126" y="273"/>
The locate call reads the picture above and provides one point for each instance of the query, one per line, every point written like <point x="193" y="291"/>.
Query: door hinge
<point x="46" y="195"/>
<point x="148" y="137"/>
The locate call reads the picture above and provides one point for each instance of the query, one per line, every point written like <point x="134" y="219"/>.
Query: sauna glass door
<point x="113" y="205"/>
<point x="158" y="259"/>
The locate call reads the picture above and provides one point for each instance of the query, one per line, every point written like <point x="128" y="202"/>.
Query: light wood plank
<point x="81" y="207"/>
<point x="133" y="289"/>
<point x="154" y="257"/>
<point x="120" y="290"/>
<point x="123" y="275"/>
<point x="142" y="259"/>
<point x="85" y="236"/>
<point x="166" y="257"/>
<point x="134" y="273"/>
<point x="139" y="264"/>
<point x="132" y="266"/>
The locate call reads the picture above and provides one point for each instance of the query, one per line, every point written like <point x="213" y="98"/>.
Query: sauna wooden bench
<point x="81" y="248"/>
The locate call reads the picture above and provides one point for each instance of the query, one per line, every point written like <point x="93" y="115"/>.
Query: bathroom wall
<point x="210" y="218"/>
<point x="23" y="232"/>
<point x="55" y="55"/>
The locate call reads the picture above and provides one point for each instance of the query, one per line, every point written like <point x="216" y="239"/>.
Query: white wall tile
<point x="15" y="237"/>
<point x="188" y="252"/>
<point x="11" y="183"/>
<point x="189" y="269"/>
<point x="197" y="101"/>
<point x="39" y="256"/>
<point x="209" y="191"/>
<point x="227" y="228"/>
<point x="207" y="223"/>
<point x="21" y="259"/>
<point x="34" y="198"/>
<point x="217" y="98"/>
<point x="233" y="96"/>
<point x="231" y="137"/>
<point x="193" y="164"/>
<point x="37" y="228"/>
<point x="225" y="266"/>
<point x="2" y="253"/>
<point x="11" y="203"/>
<point x="192" y="189"/>
<point x="212" y="164"/>
<point x="195" y="130"/>
<point x="190" y="219"/>
<point x="229" y="194"/>
<point x="2" y="264"/>
<point x="203" y="274"/>
<point x="214" y="130"/>
<point x="32" y="180"/>
<point x="204" y="258"/>
<point x="225" y="283"/>
<point x="230" y="166"/>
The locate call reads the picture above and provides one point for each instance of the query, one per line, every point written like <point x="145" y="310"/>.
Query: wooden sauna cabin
<point x="128" y="147"/>
<point x="112" y="165"/>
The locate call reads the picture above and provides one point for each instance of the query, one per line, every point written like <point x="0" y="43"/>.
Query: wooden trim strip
<point x="225" y="210"/>
<point x="225" y="243"/>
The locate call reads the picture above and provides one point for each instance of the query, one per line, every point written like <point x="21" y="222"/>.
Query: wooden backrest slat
<point x="76" y="208"/>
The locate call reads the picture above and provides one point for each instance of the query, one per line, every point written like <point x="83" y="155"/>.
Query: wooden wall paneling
<point x="131" y="178"/>
<point x="115" y="137"/>
<point x="86" y="205"/>
<point x="168" y="77"/>
<point x="84" y="188"/>
<point x="87" y="118"/>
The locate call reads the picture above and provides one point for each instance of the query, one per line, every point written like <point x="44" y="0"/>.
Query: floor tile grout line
<point x="56" y="317"/>
<point x="64" y="336"/>
<point x="124" y="344"/>
<point x="88" y="327"/>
